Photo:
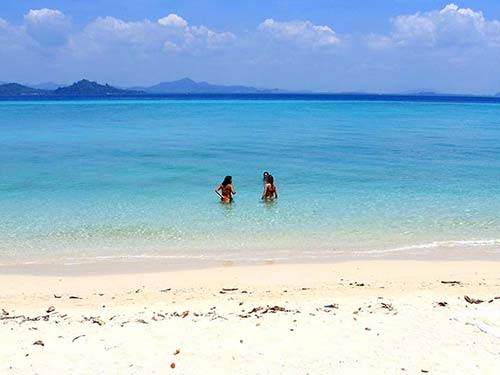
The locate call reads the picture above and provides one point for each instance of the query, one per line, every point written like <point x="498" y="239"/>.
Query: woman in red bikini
<point x="226" y="190"/>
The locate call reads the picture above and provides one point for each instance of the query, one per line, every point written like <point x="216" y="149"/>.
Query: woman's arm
<point x="276" y="191"/>
<point x="219" y="187"/>
<point x="232" y="189"/>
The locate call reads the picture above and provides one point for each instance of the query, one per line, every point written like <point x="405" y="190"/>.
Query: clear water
<point x="97" y="180"/>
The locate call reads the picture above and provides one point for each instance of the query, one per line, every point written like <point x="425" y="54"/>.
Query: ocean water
<point x="85" y="181"/>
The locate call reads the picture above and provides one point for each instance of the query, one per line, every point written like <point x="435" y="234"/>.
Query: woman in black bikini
<point x="226" y="190"/>
<point x="270" y="191"/>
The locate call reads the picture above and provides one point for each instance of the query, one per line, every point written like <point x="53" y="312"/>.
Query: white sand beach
<point x="366" y="317"/>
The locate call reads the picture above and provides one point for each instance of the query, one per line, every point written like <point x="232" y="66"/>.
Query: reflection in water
<point x="227" y="208"/>
<point x="270" y="205"/>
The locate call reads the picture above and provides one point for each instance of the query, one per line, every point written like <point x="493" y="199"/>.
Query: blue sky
<point x="335" y="45"/>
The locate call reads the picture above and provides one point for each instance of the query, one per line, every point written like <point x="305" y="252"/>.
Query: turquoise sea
<point x="113" y="180"/>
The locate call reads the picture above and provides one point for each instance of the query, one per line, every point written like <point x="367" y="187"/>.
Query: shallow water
<point x="99" y="180"/>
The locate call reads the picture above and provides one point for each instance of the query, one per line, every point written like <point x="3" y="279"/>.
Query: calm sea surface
<point x="85" y="181"/>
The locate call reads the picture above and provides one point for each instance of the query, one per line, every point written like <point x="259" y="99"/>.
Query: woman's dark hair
<point x="227" y="180"/>
<point x="270" y="180"/>
<point x="265" y="175"/>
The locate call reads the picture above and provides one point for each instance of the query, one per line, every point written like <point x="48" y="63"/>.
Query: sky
<point x="320" y="45"/>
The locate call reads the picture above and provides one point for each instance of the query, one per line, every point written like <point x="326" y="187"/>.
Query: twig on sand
<point x="387" y="306"/>
<point x="77" y="337"/>
<point x="256" y="309"/>
<point x="25" y="318"/>
<point x="357" y="284"/>
<point x="331" y="306"/>
<point x="96" y="320"/>
<point x="225" y="290"/>
<point x="265" y="310"/>
<point x="473" y="300"/>
<point x="453" y="282"/>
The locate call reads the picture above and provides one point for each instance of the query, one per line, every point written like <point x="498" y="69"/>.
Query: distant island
<point x="184" y="86"/>
<point x="13" y="89"/>
<point x="83" y="87"/>
<point x="188" y="86"/>
<point x="86" y="87"/>
<point x="46" y="85"/>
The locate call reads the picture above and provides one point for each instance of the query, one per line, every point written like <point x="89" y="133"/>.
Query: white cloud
<point x="47" y="26"/>
<point x="378" y="42"/>
<point x="3" y="23"/>
<point x="4" y="33"/>
<point x="304" y="34"/>
<point x="425" y="49"/>
<point x="170" y="33"/>
<point x="173" y="20"/>
<point x="14" y="38"/>
<point x="40" y="16"/>
<point x="449" y="27"/>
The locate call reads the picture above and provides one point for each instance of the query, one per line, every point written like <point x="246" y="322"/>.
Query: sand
<point x="366" y="317"/>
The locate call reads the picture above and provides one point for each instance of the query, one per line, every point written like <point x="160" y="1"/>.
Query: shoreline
<point x="379" y="269"/>
<point x="376" y="316"/>
<point x="159" y="264"/>
<point x="316" y="272"/>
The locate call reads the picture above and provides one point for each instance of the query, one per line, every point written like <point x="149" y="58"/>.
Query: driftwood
<point x="453" y="282"/>
<point x="387" y="306"/>
<point x="473" y="300"/>
<point x="77" y="337"/>
<point x="265" y="310"/>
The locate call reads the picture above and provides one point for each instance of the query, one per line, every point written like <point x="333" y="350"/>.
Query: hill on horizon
<point x="12" y="89"/>
<point x="184" y="86"/>
<point x="82" y="87"/>
<point x="46" y="85"/>
<point x="189" y="86"/>
<point x="86" y="87"/>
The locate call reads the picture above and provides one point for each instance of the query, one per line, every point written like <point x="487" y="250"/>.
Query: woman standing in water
<point x="270" y="191"/>
<point x="226" y="190"/>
